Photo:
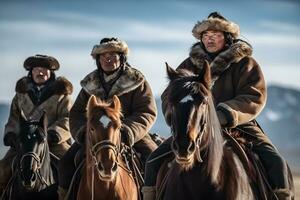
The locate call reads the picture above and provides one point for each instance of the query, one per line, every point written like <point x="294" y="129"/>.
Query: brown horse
<point x="203" y="167"/>
<point x="105" y="176"/>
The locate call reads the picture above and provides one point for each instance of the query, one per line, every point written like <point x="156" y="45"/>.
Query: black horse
<point x="34" y="177"/>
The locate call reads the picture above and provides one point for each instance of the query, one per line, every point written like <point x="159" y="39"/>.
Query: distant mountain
<point x="280" y="120"/>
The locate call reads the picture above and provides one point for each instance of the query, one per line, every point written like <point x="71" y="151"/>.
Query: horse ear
<point x="172" y="74"/>
<point x="205" y="75"/>
<point x="92" y="103"/>
<point x="43" y="120"/>
<point x="116" y="104"/>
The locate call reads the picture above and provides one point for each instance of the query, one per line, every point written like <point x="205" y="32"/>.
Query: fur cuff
<point x="230" y="114"/>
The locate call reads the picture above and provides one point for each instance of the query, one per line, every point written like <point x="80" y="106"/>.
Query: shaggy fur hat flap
<point x="48" y="62"/>
<point x="215" y="22"/>
<point x="117" y="45"/>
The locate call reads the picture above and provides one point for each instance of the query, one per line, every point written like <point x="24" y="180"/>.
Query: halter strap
<point x="104" y="144"/>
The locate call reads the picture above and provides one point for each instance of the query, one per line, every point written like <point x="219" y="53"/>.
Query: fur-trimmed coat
<point x="238" y="89"/>
<point x="138" y="104"/>
<point x="55" y="100"/>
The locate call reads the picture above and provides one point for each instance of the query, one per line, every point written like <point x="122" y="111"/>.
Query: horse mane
<point x="215" y="141"/>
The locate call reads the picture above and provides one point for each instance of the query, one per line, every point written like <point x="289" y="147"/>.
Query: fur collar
<point x="129" y="80"/>
<point x="61" y="86"/>
<point x="233" y="54"/>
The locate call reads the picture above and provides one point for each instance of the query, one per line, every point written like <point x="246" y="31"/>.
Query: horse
<point x="33" y="175"/>
<point x="105" y="175"/>
<point x="203" y="166"/>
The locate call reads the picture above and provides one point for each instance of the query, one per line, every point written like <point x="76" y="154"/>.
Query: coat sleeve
<point x="78" y="116"/>
<point x="61" y="125"/>
<point x="12" y="127"/>
<point x="250" y="97"/>
<point x="138" y="123"/>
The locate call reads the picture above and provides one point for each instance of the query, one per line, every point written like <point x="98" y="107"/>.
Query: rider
<point x="39" y="91"/>
<point x="113" y="76"/>
<point x="239" y="93"/>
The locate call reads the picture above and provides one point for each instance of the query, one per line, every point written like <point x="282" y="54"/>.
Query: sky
<point x="156" y="32"/>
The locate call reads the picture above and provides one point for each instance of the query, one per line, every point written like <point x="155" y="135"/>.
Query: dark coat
<point x="134" y="92"/>
<point x="239" y="89"/>
<point x="55" y="100"/>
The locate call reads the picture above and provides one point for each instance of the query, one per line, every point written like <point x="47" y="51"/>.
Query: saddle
<point x="251" y="162"/>
<point x="243" y="149"/>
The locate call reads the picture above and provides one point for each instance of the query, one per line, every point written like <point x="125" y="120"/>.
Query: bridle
<point x="199" y="137"/>
<point x="104" y="144"/>
<point x="95" y="149"/>
<point x="38" y="159"/>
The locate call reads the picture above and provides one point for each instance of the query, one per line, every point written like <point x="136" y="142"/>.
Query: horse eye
<point x="92" y="129"/>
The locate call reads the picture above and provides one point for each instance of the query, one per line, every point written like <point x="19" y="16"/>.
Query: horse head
<point x="103" y="135"/>
<point x="191" y="104"/>
<point x="32" y="144"/>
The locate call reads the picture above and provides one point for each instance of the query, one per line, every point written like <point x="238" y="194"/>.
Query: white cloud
<point x="273" y="39"/>
<point x="279" y="26"/>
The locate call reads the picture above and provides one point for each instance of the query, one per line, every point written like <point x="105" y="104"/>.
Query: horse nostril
<point x="191" y="147"/>
<point x="33" y="177"/>
<point x="115" y="167"/>
<point x="100" y="166"/>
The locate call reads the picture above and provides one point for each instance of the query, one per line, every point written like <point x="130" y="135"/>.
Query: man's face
<point x="109" y="61"/>
<point x="213" y="41"/>
<point x="40" y="75"/>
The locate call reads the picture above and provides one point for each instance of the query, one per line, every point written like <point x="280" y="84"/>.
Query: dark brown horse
<point x="203" y="167"/>
<point x="105" y="176"/>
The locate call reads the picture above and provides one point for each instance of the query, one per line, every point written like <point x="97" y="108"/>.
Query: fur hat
<point x="48" y="62"/>
<point x="215" y="21"/>
<point x="110" y="45"/>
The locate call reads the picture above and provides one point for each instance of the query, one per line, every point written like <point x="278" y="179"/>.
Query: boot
<point x="149" y="192"/>
<point x="62" y="193"/>
<point x="282" y="194"/>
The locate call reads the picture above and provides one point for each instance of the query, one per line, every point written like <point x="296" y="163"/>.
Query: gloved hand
<point x="127" y="136"/>
<point x="53" y="137"/>
<point x="10" y="139"/>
